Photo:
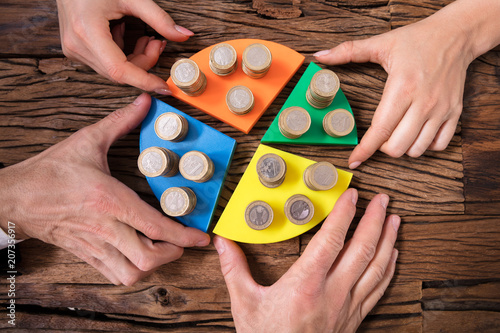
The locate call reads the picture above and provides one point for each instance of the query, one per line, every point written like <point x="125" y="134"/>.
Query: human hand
<point x="422" y="100"/>
<point x="86" y="37"/>
<point x="331" y="287"/>
<point x="66" y="196"/>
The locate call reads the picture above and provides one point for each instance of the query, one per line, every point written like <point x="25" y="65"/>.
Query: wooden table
<point x="448" y="273"/>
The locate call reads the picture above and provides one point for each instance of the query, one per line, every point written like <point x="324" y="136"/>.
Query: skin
<point x="426" y="64"/>
<point x="66" y="196"/>
<point x="86" y="37"/>
<point x="331" y="287"/>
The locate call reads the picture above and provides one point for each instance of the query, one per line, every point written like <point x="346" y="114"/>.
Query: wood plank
<point x="461" y="321"/>
<point x="404" y="12"/>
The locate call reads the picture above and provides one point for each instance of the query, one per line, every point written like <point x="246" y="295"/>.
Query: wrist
<point x="9" y="205"/>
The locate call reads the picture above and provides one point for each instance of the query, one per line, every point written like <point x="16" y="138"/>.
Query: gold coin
<point x="178" y="201"/>
<point x="294" y="121"/>
<point x="299" y="209"/>
<point x="240" y="100"/>
<point x="338" y="123"/>
<point x="171" y="126"/>
<point x="320" y="176"/>
<point x="259" y="215"/>
<point x="196" y="166"/>
<point x="158" y="161"/>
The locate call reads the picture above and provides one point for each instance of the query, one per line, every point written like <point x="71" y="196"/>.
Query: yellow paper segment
<point x="232" y="223"/>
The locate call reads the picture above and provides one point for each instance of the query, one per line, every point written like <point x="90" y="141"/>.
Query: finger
<point x="377" y="293"/>
<point x="234" y="267"/>
<point x="146" y="56"/>
<point x="118" y="32"/>
<point x="424" y="138"/>
<point x="393" y="105"/>
<point x="158" y="19"/>
<point x="377" y="268"/>
<point x="324" y="247"/>
<point x="101" y="267"/>
<point x="350" y="51"/>
<point x="444" y="135"/>
<point x="361" y="248"/>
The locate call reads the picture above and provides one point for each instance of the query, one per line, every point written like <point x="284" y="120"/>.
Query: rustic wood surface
<point x="448" y="273"/>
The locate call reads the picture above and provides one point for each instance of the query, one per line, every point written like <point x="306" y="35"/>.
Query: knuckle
<point x="382" y="132"/>
<point x="130" y="279"/>
<point x="439" y="146"/>
<point x="115" y="72"/>
<point x="145" y="262"/>
<point x="416" y="151"/>
<point x="394" y="151"/>
<point x="365" y="251"/>
<point x="151" y="231"/>
<point x="334" y="242"/>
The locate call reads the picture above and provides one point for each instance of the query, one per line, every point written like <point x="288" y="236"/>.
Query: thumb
<point x="235" y="270"/>
<point x="350" y="51"/>
<point x="121" y="121"/>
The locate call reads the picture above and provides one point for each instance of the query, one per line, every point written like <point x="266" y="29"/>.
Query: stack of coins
<point x="171" y="126"/>
<point x="188" y="77"/>
<point x="256" y="60"/>
<point x="299" y="209"/>
<point x="271" y="169"/>
<point x="240" y="100"/>
<point x="321" y="176"/>
<point x="259" y="215"/>
<point x="223" y="59"/>
<point x="338" y="123"/>
<point x="323" y="88"/>
<point x="294" y="121"/>
<point x="178" y="201"/>
<point x="196" y="166"/>
<point x="158" y="161"/>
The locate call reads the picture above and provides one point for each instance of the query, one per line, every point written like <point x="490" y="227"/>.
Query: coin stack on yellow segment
<point x="188" y="77"/>
<point x="158" y="161"/>
<point x="299" y="209"/>
<point x="271" y="170"/>
<point x="338" y="123"/>
<point x="259" y="215"/>
<point x="322" y="89"/>
<point x="294" y="121"/>
<point x="256" y="60"/>
<point x="240" y="100"/>
<point x="320" y="176"/>
<point x="223" y="59"/>
<point x="178" y="201"/>
<point x="196" y="166"/>
<point x="171" y="126"/>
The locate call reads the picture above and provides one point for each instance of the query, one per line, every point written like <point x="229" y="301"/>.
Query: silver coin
<point x="324" y="175"/>
<point x="193" y="165"/>
<point x="185" y="72"/>
<point x="239" y="98"/>
<point x="326" y="83"/>
<point x="168" y="126"/>
<point x="257" y="57"/>
<point x="341" y="122"/>
<point x="300" y="210"/>
<point x="152" y="162"/>
<point x="259" y="215"/>
<point x="223" y="56"/>
<point x="296" y="120"/>
<point x="270" y="167"/>
<point x="175" y="202"/>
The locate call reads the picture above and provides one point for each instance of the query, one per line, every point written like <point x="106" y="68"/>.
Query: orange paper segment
<point x="285" y="62"/>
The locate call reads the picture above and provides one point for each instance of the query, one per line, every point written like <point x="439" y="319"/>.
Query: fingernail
<point x="219" y="245"/>
<point x="163" y="91"/>
<point x="354" y="165"/>
<point x="163" y="44"/>
<point x="139" y="100"/>
<point x="354" y="197"/>
<point x="204" y="242"/>
<point x="395" y="254"/>
<point x="151" y="38"/>
<point x="321" y="53"/>
<point x="183" y="30"/>
<point x="396" y="222"/>
<point x="384" y="200"/>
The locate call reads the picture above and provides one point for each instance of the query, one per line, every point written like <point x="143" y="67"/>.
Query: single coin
<point x="196" y="166"/>
<point x="223" y="59"/>
<point x="259" y="215"/>
<point x="320" y="176"/>
<point x="240" y="100"/>
<point x="299" y="209"/>
<point x="171" y="126"/>
<point x="271" y="170"/>
<point x="338" y="123"/>
<point x="294" y="121"/>
<point x="158" y="161"/>
<point x="178" y="201"/>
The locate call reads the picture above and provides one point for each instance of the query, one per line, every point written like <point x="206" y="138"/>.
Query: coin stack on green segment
<point x="188" y="77"/>
<point x="259" y="215"/>
<point x="196" y="166"/>
<point x="294" y="121"/>
<point x="322" y="89"/>
<point x="171" y="126"/>
<point x="223" y="59"/>
<point x="271" y="170"/>
<point x="178" y="201"/>
<point x="338" y="123"/>
<point x="256" y="60"/>
<point x="158" y="161"/>
<point x="320" y="176"/>
<point x="240" y="100"/>
<point x="299" y="209"/>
